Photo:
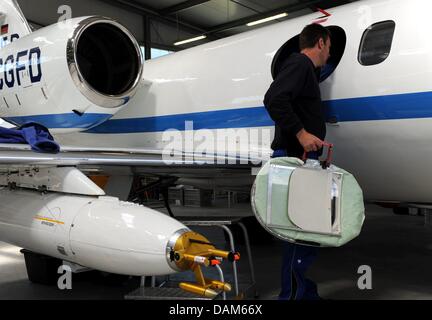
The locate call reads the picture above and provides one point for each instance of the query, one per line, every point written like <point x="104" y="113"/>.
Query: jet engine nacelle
<point x="70" y="76"/>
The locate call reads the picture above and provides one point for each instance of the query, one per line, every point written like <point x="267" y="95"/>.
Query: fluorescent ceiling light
<point x="254" y="23"/>
<point x="190" y="40"/>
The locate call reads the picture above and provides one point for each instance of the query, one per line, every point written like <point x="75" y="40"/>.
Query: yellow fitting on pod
<point x="218" y="285"/>
<point x="192" y="288"/>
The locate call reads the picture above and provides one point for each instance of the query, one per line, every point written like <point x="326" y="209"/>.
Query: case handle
<point x="327" y="162"/>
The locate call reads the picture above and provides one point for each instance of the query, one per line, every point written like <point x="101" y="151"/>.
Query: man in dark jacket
<point x="294" y="103"/>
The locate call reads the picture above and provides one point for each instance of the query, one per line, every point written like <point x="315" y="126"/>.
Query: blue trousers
<point x="295" y="262"/>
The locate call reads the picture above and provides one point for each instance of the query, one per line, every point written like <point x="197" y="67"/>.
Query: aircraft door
<point x="338" y="38"/>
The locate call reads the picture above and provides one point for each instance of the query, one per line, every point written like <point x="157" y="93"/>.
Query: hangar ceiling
<point x="161" y="23"/>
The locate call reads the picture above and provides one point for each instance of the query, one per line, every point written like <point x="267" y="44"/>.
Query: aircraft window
<point x="376" y="43"/>
<point x="338" y="40"/>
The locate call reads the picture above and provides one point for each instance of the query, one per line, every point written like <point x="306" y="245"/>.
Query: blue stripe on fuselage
<point x="390" y="107"/>
<point x="233" y="118"/>
<point x="63" y="120"/>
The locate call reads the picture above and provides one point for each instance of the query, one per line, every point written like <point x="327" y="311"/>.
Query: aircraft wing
<point x="22" y="155"/>
<point x="231" y="171"/>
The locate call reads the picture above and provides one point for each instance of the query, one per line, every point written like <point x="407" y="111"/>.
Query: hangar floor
<point x="397" y="248"/>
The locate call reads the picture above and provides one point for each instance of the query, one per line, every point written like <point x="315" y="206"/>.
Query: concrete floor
<point x="397" y="248"/>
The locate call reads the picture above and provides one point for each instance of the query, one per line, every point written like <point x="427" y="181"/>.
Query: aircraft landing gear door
<point x="338" y="40"/>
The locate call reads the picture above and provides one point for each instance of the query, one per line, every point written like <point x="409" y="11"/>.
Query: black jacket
<point x="294" y="103"/>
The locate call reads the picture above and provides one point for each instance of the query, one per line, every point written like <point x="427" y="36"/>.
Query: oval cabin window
<point x="376" y="43"/>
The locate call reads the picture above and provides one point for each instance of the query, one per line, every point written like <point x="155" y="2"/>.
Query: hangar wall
<point x="49" y="13"/>
<point x="163" y="36"/>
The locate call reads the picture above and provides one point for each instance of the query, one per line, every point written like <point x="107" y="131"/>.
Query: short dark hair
<point x="311" y="35"/>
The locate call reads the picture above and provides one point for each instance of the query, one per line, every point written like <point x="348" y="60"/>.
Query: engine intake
<point x="105" y="62"/>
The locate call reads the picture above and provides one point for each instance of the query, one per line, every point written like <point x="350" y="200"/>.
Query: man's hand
<point x="308" y="141"/>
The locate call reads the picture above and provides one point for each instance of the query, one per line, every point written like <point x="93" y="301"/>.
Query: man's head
<point x="315" y="42"/>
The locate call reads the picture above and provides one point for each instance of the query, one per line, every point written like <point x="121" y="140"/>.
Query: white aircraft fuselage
<point x="381" y="114"/>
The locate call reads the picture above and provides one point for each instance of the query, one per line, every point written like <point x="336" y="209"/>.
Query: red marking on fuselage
<point x="4" y="29"/>
<point x="325" y="13"/>
<point x="324" y="18"/>
<point x="320" y="21"/>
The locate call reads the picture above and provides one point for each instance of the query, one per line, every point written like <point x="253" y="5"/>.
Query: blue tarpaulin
<point x="33" y="134"/>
